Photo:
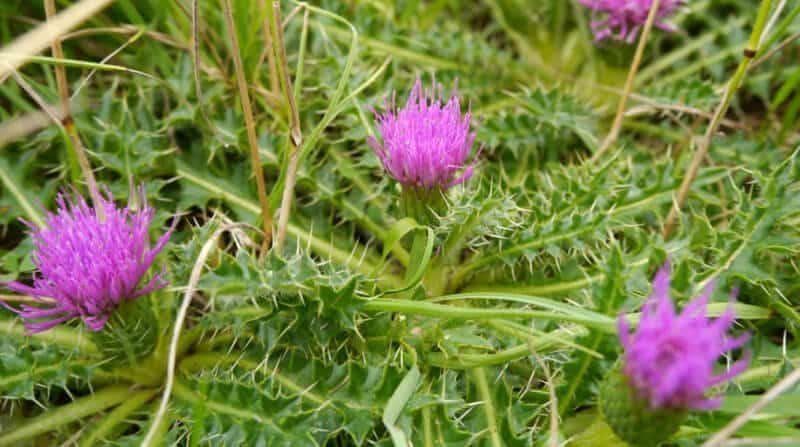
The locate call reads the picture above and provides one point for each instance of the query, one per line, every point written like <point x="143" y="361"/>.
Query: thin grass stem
<point x="611" y="138"/>
<point x="752" y="48"/>
<point x="295" y="132"/>
<point x="250" y="125"/>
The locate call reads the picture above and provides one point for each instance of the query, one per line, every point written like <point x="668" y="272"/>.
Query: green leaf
<point x="57" y="417"/>
<point x="399" y="399"/>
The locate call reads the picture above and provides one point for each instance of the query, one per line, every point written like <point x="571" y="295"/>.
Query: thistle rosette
<point x="90" y="262"/>
<point x="668" y="366"/>
<point x="622" y="19"/>
<point x="425" y="146"/>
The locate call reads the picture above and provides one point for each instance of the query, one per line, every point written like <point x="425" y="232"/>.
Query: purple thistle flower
<point x="426" y="143"/>
<point x="669" y="360"/>
<point x="622" y="19"/>
<point x="89" y="265"/>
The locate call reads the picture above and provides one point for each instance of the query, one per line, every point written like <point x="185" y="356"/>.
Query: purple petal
<point x="87" y="265"/>
<point x="427" y="143"/>
<point x="670" y="357"/>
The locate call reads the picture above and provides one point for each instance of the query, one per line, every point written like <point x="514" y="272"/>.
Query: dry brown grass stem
<point x="41" y="37"/>
<point x="250" y="125"/>
<point x="611" y="138"/>
<point x="66" y="113"/>
<point x="295" y="133"/>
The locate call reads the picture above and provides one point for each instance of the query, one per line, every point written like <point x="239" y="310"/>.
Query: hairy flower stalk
<point x="425" y="147"/>
<point x="90" y="261"/>
<point x="622" y="19"/>
<point x="668" y="366"/>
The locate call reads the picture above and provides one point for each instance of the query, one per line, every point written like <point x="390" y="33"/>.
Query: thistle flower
<point x="89" y="263"/>
<point x="622" y="19"/>
<point x="427" y="142"/>
<point x="669" y="360"/>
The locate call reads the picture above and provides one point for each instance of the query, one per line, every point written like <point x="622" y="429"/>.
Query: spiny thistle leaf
<point x="29" y="371"/>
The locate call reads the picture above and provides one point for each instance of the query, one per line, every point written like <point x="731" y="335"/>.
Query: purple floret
<point x="622" y="19"/>
<point x="426" y="143"/>
<point x="89" y="264"/>
<point x="670" y="358"/>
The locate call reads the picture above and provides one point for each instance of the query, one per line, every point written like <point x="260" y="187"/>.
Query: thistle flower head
<point x="622" y="19"/>
<point x="669" y="360"/>
<point x="88" y="262"/>
<point x="427" y="142"/>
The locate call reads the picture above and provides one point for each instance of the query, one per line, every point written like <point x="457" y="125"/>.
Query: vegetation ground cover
<point x="348" y="318"/>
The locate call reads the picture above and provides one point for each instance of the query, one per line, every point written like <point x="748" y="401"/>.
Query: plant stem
<point x="117" y="416"/>
<point x="471" y="313"/>
<point x="479" y="376"/>
<point x="21" y="198"/>
<point x="427" y="426"/>
<point x="733" y="426"/>
<point x="194" y="279"/>
<point x="637" y="59"/>
<point x="250" y="125"/>
<point x="36" y="40"/>
<point x="295" y="133"/>
<point x="752" y="48"/>
<point x="274" y="82"/>
<point x="78" y="409"/>
<point x="66" y="116"/>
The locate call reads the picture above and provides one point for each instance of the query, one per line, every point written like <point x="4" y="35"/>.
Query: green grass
<point x="368" y="328"/>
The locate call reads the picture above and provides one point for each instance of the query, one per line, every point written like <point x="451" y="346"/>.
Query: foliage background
<point x="505" y="321"/>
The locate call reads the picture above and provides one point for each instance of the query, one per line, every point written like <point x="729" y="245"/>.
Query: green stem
<point x="479" y="376"/>
<point x="548" y="288"/>
<point x="78" y="409"/>
<point x="208" y="344"/>
<point x="538" y="341"/>
<point x="427" y="426"/>
<point x="750" y="51"/>
<point x="22" y="200"/>
<point x="786" y="22"/>
<point x="471" y="313"/>
<point x="86" y="64"/>
<point x="117" y="416"/>
<point x="542" y="343"/>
